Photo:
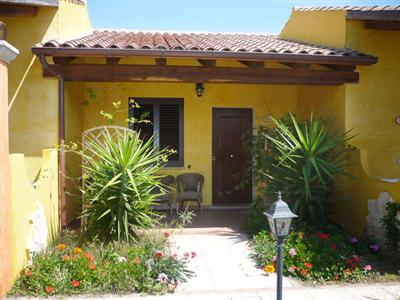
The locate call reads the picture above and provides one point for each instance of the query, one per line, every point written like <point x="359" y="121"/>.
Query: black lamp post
<point x="279" y="218"/>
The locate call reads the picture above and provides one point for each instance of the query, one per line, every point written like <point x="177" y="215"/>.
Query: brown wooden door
<point x="231" y="159"/>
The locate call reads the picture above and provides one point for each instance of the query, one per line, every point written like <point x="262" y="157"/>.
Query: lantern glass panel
<point x="271" y="225"/>
<point x="282" y="226"/>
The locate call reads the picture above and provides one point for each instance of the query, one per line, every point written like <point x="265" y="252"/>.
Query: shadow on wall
<point x="352" y="209"/>
<point x="34" y="207"/>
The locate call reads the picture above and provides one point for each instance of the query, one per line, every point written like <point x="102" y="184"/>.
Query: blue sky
<point x="267" y="16"/>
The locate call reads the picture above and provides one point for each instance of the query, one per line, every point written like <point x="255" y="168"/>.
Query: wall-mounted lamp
<point x="199" y="89"/>
<point x="397" y="120"/>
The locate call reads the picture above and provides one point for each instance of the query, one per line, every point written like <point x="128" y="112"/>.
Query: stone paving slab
<point x="222" y="262"/>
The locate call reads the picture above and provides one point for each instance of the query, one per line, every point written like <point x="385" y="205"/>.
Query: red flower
<point x="333" y="246"/>
<point x="193" y="254"/>
<point x="158" y="254"/>
<point x="308" y="265"/>
<point x="75" y="283"/>
<point x="92" y="266"/>
<point x="349" y="261"/>
<point x="49" y="289"/>
<point x="89" y="256"/>
<point x="167" y="234"/>
<point x="304" y="272"/>
<point x="322" y="236"/>
<point x="137" y="260"/>
<point x="65" y="257"/>
<point x="29" y="273"/>
<point x="353" y="266"/>
<point x="356" y="259"/>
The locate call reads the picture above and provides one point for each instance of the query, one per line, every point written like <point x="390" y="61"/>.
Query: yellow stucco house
<point x="339" y="62"/>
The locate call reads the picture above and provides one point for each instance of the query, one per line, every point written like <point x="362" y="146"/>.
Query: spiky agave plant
<point x="121" y="174"/>
<point x="304" y="158"/>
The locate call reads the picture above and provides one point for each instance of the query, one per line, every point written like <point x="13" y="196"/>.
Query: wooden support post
<point x="7" y="54"/>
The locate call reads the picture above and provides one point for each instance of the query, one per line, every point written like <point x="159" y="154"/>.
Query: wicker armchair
<point x="189" y="187"/>
<point x="167" y="182"/>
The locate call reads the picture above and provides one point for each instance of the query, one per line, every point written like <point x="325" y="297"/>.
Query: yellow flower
<point x="77" y="250"/>
<point x="269" y="268"/>
<point x="300" y="234"/>
<point x="61" y="246"/>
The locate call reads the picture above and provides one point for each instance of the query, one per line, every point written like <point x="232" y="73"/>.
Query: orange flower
<point x="77" y="250"/>
<point x="49" y="289"/>
<point x="29" y="273"/>
<point x="61" y="246"/>
<point x="304" y="272"/>
<point x="137" y="260"/>
<point x="89" y="256"/>
<point x="75" y="283"/>
<point x="167" y="234"/>
<point x="308" y="265"/>
<point x="269" y="268"/>
<point x="92" y="266"/>
<point x="347" y="271"/>
<point x="65" y="257"/>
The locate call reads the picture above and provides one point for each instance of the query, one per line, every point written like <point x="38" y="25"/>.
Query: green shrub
<point x="255" y="219"/>
<point x="300" y="159"/>
<point x="120" y="175"/>
<point x="314" y="255"/>
<point x="63" y="269"/>
<point x="391" y="224"/>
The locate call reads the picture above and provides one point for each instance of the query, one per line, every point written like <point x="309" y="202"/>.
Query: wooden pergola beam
<point x="63" y="60"/>
<point x="161" y="61"/>
<point x="382" y="25"/>
<point x="149" y="73"/>
<point x="12" y="10"/>
<point x="297" y="66"/>
<point x="113" y="60"/>
<point x="209" y="63"/>
<point x="252" y="64"/>
<point x="206" y="55"/>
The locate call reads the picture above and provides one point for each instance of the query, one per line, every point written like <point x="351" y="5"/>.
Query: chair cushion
<point x="164" y="198"/>
<point x="188" y="195"/>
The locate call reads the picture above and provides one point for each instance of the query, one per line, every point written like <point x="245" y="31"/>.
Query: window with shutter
<point x="166" y="121"/>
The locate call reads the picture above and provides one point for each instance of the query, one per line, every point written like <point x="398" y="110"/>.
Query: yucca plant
<point x="120" y="178"/>
<point x="301" y="159"/>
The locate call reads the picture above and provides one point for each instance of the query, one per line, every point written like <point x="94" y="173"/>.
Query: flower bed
<point x="148" y="266"/>
<point x="316" y="256"/>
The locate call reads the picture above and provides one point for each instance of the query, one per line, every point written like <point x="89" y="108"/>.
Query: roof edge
<point x="284" y="57"/>
<point x="44" y="3"/>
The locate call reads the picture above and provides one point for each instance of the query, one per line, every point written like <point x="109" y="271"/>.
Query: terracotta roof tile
<point x="215" y="42"/>
<point x="349" y="8"/>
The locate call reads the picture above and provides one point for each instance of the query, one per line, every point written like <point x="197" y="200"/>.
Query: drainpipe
<point x="61" y="137"/>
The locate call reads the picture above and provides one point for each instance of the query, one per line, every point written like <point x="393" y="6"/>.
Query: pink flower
<point x="292" y="269"/>
<point x="193" y="254"/>
<point x="186" y="255"/>
<point x="356" y="259"/>
<point x="274" y="258"/>
<point x="158" y="254"/>
<point x="353" y="240"/>
<point x="367" y="268"/>
<point x="292" y="252"/>
<point x="162" y="278"/>
<point x="174" y="256"/>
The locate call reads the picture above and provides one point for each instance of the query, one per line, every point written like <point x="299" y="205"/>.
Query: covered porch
<point x="260" y="74"/>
